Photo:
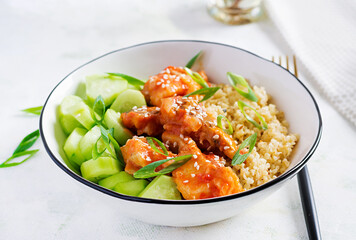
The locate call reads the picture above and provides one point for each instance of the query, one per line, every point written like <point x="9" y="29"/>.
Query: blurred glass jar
<point x="235" y="11"/>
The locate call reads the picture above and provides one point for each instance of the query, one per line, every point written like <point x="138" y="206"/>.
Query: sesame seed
<point x="165" y="76"/>
<point x="185" y="139"/>
<point x="174" y="144"/>
<point x="197" y="167"/>
<point x="168" y="71"/>
<point x="208" y="185"/>
<point x="157" y="109"/>
<point x="216" y="137"/>
<point x="195" y="164"/>
<point x="163" y="85"/>
<point x="195" y="156"/>
<point x="208" y="161"/>
<point x="190" y="141"/>
<point x="168" y="82"/>
<point x="181" y="136"/>
<point x="185" y="181"/>
<point x="226" y="147"/>
<point x="158" y="83"/>
<point x="193" y="175"/>
<point x="216" y="157"/>
<point x="148" y="159"/>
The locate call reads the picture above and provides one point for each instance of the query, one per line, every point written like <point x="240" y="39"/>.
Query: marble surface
<point x="42" y="41"/>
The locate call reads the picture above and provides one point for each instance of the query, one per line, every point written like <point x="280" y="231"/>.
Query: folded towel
<point x="322" y="34"/>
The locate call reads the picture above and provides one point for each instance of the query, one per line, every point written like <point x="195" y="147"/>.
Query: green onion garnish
<point x="237" y="80"/>
<point x="17" y="155"/>
<point x="148" y="171"/>
<point x="20" y="151"/>
<point x="33" y="110"/>
<point x="27" y="142"/>
<point x="206" y="92"/>
<point x="240" y="158"/>
<point x="95" y="152"/>
<point x="242" y="105"/>
<point x="153" y="146"/>
<point x="129" y="79"/>
<point x="229" y="130"/>
<point x="192" y="61"/>
<point x="107" y="136"/>
<point x="196" y="77"/>
<point x="99" y="109"/>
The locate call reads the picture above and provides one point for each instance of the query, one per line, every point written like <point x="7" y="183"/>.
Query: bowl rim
<point x="288" y="174"/>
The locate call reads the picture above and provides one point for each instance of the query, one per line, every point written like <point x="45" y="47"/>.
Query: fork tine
<point x="287" y="62"/>
<point x="295" y="66"/>
<point x="280" y="61"/>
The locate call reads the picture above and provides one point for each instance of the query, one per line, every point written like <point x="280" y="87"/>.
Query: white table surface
<point x="42" y="41"/>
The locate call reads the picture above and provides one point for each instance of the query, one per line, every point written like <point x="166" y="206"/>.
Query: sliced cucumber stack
<point x="132" y="188"/>
<point x="86" y="144"/>
<point x="102" y="167"/>
<point x="109" y="87"/>
<point x="112" y="181"/>
<point x="71" y="146"/>
<point x="73" y="113"/>
<point x="112" y="120"/>
<point x="127" y="100"/>
<point x="162" y="187"/>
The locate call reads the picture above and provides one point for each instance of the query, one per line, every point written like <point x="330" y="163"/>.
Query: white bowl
<point x="143" y="60"/>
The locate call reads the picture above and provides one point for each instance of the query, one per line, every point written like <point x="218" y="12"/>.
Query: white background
<point x="42" y="41"/>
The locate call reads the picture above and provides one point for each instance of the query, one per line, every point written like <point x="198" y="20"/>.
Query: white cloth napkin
<point x="322" y="34"/>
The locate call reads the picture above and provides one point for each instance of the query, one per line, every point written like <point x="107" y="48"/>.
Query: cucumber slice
<point x="108" y="87"/>
<point x="112" y="181"/>
<point x="132" y="188"/>
<point x="162" y="187"/>
<point x="127" y="100"/>
<point x="102" y="167"/>
<point x="86" y="144"/>
<point x="112" y="120"/>
<point x="73" y="113"/>
<point x="72" y="144"/>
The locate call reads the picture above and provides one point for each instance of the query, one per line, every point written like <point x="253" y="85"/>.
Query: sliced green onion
<point x="229" y="130"/>
<point x="131" y="80"/>
<point x="95" y="152"/>
<point x="107" y="136"/>
<point x="148" y="171"/>
<point x="192" y="61"/>
<point x="27" y="142"/>
<point x="33" y="110"/>
<point x="196" y="77"/>
<point x="240" y="158"/>
<point x="118" y="150"/>
<point x="7" y="163"/>
<point x="206" y="92"/>
<point x="153" y="146"/>
<point x="236" y="80"/>
<point x="99" y="109"/>
<point x="242" y="105"/>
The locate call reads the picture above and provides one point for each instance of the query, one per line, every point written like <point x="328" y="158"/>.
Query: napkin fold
<point x="322" y="34"/>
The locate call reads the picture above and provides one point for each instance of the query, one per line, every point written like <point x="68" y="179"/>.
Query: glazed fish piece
<point x="186" y="116"/>
<point x="144" y="120"/>
<point x="137" y="153"/>
<point x="172" y="81"/>
<point x="204" y="175"/>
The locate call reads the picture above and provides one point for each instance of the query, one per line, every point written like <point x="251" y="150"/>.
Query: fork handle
<point x="308" y="203"/>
